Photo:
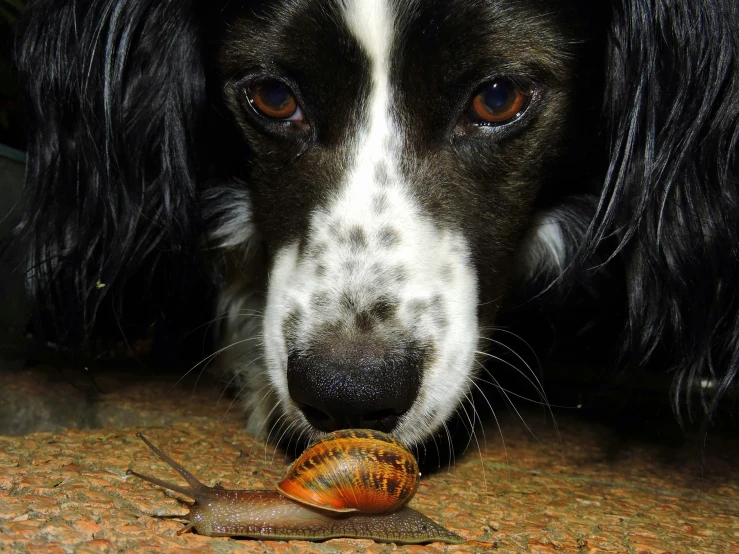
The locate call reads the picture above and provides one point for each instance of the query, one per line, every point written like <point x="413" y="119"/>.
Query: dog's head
<point x="405" y="163"/>
<point x="398" y="152"/>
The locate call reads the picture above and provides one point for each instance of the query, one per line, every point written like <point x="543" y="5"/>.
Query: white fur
<point x="230" y="206"/>
<point x="546" y="248"/>
<point x="436" y="262"/>
<point x="554" y="238"/>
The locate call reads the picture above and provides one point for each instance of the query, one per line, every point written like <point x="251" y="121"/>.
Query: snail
<point x="351" y="483"/>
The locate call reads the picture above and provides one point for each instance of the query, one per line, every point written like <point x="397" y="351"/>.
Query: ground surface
<point x="66" y="490"/>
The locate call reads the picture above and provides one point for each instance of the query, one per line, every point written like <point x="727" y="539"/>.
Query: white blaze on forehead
<point x="372" y="22"/>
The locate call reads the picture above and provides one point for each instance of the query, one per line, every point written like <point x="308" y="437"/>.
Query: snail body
<point x="272" y="515"/>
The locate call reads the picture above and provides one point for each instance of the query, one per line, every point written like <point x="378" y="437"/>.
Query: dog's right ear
<point x="114" y="93"/>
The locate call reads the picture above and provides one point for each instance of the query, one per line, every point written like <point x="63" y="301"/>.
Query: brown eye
<point x="499" y="102"/>
<point x="274" y="100"/>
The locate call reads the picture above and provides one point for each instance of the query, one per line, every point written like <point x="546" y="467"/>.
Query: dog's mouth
<point x="381" y="420"/>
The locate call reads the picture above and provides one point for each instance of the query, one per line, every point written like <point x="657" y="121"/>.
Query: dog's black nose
<point x="354" y="386"/>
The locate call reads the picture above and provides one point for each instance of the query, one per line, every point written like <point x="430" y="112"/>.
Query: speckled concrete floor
<point x="66" y="490"/>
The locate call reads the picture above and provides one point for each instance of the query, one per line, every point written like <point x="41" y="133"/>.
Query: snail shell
<point x="356" y="470"/>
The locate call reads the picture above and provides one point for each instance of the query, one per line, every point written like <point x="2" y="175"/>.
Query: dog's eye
<point x="274" y="100"/>
<point x="498" y="103"/>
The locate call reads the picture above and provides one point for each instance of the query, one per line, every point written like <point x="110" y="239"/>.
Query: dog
<point x="367" y="184"/>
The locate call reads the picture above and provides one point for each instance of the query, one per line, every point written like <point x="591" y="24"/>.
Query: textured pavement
<point x="65" y="490"/>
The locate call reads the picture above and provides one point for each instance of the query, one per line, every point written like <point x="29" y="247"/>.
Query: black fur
<point x="114" y="93"/>
<point x="671" y="192"/>
<point x="117" y="93"/>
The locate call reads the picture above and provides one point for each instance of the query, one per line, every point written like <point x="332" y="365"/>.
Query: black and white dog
<point x="371" y="180"/>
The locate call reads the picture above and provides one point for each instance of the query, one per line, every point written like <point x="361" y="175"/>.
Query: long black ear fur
<point x="114" y="91"/>
<point x="671" y="197"/>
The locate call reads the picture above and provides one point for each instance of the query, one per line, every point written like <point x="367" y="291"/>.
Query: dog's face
<point x="397" y="152"/>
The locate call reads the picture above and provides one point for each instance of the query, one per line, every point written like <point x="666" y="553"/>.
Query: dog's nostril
<point x="351" y="390"/>
<point x="380" y="414"/>
<point x="381" y="420"/>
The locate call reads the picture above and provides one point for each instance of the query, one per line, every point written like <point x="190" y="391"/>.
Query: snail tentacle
<point x="193" y="481"/>
<point x="188" y="491"/>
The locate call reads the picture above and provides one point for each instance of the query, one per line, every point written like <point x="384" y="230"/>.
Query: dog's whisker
<point x="471" y="421"/>
<point x="267" y="387"/>
<point x="303" y="432"/>
<point x="495" y="300"/>
<point x="281" y="421"/>
<point x="225" y="316"/>
<point x="498" y="329"/>
<point x="452" y="460"/>
<point x="472" y="434"/>
<point x="227" y="386"/>
<point x="540" y="388"/>
<point x="258" y="405"/>
<point x="495" y="418"/>
<point x="521" y="359"/>
<point x="213" y="355"/>
<point x="261" y="427"/>
<point x="290" y="439"/>
<point x="200" y="374"/>
<point x="235" y="375"/>
<point x="512" y="405"/>
<point x="522" y="397"/>
<point x="289" y="427"/>
<point x="241" y="390"/>
<point x="437" y="448"/>
<point x="473" y="427"/>
<point x="523" y="374"/>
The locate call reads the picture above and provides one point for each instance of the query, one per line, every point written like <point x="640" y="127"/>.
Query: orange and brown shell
<point x="353" y="470"/>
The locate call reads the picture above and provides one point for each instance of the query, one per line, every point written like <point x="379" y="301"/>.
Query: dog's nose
<point x="354" y="386"/>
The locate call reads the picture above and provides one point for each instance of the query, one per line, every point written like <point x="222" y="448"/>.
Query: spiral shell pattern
<point x="353" y="470"/>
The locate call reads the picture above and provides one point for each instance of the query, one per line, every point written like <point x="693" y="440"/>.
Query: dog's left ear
<point x="671" y="195"/>
<point x="114" y="95"/>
